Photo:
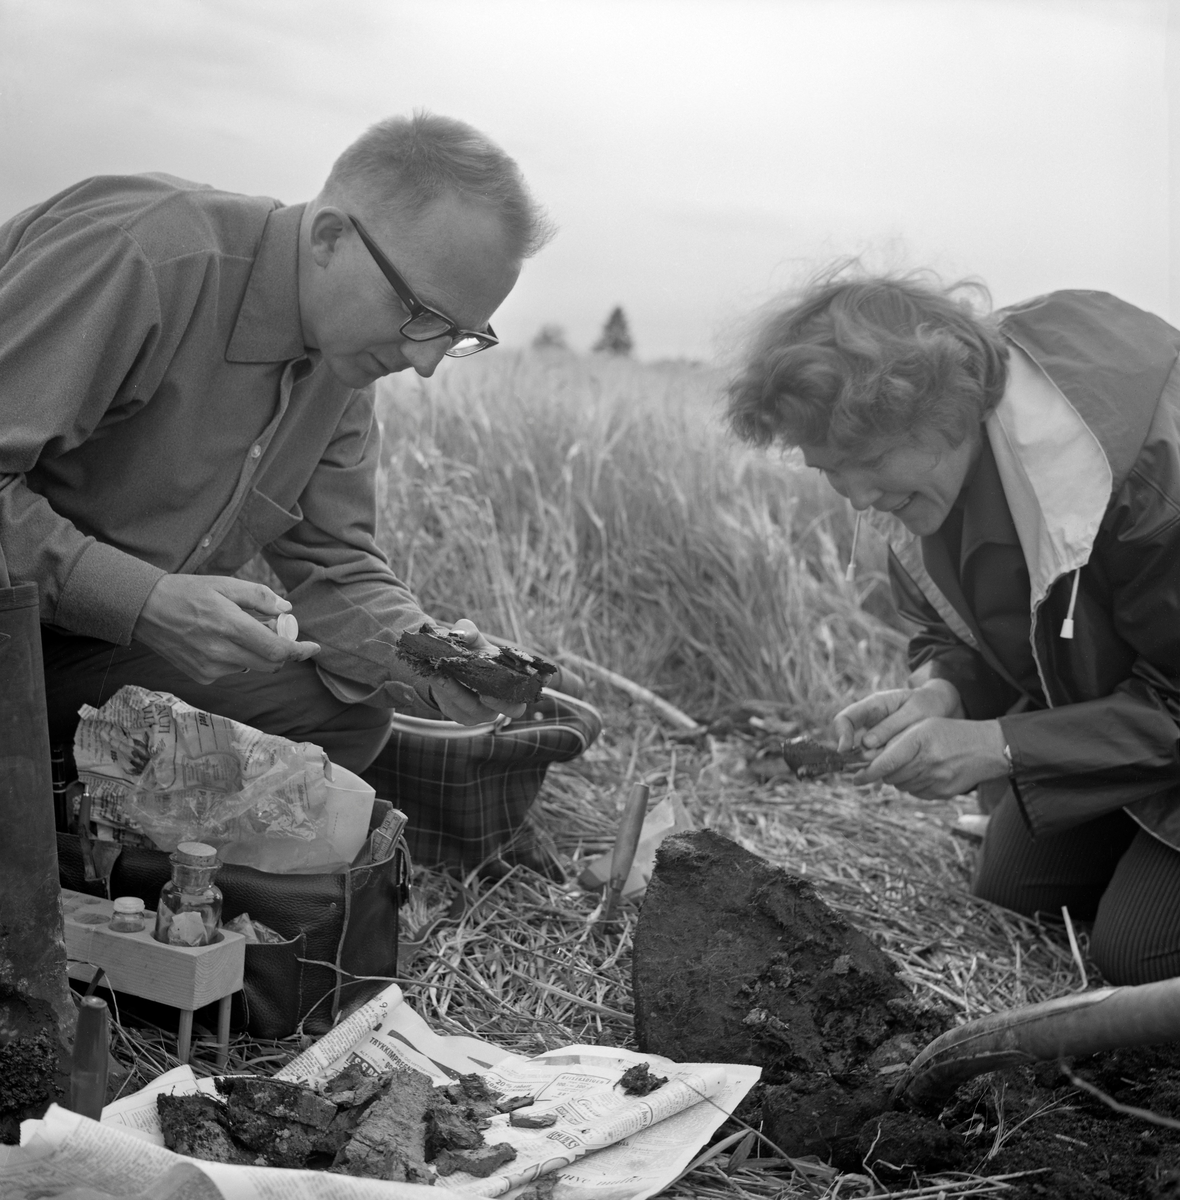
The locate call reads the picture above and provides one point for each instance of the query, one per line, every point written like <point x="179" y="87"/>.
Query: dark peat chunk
<point x="511" y="676"/>
<point x="809" y="759"/>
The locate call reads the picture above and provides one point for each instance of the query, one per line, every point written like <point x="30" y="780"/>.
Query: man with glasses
<point x="185" y="380"/>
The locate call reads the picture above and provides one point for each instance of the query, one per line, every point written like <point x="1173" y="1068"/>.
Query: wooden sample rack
<point x="183" y="977"/>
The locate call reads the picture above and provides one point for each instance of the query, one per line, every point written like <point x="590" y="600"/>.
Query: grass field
<point x="599" y="506"/>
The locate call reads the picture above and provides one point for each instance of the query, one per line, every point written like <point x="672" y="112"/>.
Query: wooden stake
<point x="623" y="855"/>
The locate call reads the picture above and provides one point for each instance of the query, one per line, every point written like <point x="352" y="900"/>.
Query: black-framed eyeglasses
<point x="426" y="323"/>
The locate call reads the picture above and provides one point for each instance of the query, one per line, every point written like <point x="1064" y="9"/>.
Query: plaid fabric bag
<point x="466" y="791"/>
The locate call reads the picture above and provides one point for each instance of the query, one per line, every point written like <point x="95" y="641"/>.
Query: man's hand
<point x="939" y="757"/>
<point x="461" y="704"/>
<point x="211" y="626"/>
<point x="876" y="719"/>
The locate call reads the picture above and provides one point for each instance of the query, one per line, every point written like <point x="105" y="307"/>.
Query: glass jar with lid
<point x="190" y="903"/>
<point x="128" y="915"/>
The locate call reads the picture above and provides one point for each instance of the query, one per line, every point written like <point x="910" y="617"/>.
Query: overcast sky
<point x="698" y="155"/>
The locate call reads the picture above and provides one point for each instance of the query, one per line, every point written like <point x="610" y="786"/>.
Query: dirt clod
<point x="480" y="1163"/>
<point x="639" y="1081"/>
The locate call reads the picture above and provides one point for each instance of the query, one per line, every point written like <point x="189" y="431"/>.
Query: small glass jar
<point x="190" y="905"/>
<point x="128" y="915"/>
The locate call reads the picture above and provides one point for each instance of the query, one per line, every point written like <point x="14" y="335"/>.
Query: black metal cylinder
<point x="92" y="1059"/>
<point x="36" y="1013"/>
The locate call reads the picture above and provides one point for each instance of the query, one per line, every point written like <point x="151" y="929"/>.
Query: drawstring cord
<point x="850" y="573"/>
<point x="1067" y="624"/>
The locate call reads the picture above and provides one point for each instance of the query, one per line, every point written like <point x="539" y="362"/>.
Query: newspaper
<point x="604" y="1144"/>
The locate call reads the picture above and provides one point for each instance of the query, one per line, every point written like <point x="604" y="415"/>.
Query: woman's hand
<point x="873" y="721"/>
<point x="939" y="757"/>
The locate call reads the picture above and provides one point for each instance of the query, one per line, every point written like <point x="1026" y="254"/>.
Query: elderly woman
<point x="1026" y="471"/>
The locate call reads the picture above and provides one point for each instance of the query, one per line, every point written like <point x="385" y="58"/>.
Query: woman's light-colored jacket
<point x="1087" y="442"/>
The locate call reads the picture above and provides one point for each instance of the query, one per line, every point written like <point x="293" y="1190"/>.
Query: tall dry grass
<point x="599" y="506"/>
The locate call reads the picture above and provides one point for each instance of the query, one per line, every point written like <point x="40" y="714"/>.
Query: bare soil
<point x="32" y="1073"/>
<point x="736" y="960"/>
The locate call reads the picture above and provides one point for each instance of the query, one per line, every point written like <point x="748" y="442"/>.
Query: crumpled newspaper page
<point x="153" y="763"/>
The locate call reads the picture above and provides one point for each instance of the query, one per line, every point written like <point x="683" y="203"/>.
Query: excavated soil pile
<point x="387" y="1128"/>
<point x="1073" y="1146"/>
<point x="738" y="961"/>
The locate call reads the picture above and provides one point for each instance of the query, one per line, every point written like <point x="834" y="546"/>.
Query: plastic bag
<point x="157" y="765"/>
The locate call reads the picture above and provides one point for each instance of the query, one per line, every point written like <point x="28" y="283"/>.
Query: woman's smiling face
<point x="917" y="480"/>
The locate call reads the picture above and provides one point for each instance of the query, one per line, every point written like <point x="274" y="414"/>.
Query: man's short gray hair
<point x="413" y="161"/>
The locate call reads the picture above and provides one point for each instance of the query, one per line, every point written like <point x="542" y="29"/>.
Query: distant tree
<point x="550" y="337"/>
<point x="616" y="336"/>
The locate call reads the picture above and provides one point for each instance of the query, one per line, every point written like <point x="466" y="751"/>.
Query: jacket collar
<point x="1055" y="472"/>
<point x="1056" y="479"/>
<point x="269" y="328"/>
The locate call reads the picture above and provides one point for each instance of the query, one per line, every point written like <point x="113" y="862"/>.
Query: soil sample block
<point x="510" y="675"/>
<point x="737" y="960"/>
<point x="286" y="1122"/>
<point x="390" y="1141"/>
<point x="196" y="1125"/>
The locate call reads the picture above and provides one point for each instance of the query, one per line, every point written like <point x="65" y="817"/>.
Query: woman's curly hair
<point x="856" y="363"/>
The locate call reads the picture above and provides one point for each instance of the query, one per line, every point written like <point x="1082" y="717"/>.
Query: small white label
<point x="187" y="929"/>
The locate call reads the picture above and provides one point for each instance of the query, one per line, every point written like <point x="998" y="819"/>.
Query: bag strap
<point x="447" y="731"/>
<point x="452" y="731"/>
